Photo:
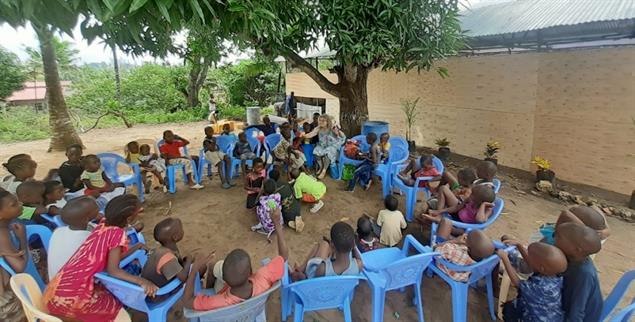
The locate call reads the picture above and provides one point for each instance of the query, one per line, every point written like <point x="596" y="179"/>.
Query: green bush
<point x="231" y="112"/>
<point x="22" y="124"/>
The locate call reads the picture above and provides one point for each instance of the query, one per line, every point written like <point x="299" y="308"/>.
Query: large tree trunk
<point x="196" y="79"/>
<point x="115" y="62"/>
<point x="353" y="101"/>
<point x="63" y="133"/>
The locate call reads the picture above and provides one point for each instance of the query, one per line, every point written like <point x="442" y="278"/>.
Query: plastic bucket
<point x="253" y="115"/>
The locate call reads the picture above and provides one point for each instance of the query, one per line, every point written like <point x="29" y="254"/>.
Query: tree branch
<point x="315" y="74"/>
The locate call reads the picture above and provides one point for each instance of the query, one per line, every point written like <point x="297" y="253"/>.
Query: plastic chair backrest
<point x="406" y="271"/>
<point x="363" y="145"/>
<point x="497" y="185"/>
<point x="41" y="231"/>
<point x="110" y="162"/>
<point x="398" y="141"/>
<point x="184" y="150"/>
<point x="29" y="294"/>
<point x="438" y="164"/>
<point x="397" y="155"/>
<point x="624" y="314"/>
<point x="324" y="292"/>
<point x="483" y="268"/>
<point x="619" y="290"/>
<point x="224" y="142"/>
<point x="252" y="137"/>
<point x="272" y="140"/>
<point x="244" y="311"/>
<point x="150" y="142"/>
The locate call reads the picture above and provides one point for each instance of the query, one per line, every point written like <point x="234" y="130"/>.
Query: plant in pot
<point x="443" y="148"/>
<point x="544" y="171"/>
<point x="411" y="111"/>
<point x="491" y="149"/>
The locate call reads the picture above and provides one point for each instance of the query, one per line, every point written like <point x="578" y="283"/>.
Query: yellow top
<point x="134" y="157"/>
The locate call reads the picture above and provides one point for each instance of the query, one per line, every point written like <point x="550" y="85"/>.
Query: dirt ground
<point x="215" y="219"/>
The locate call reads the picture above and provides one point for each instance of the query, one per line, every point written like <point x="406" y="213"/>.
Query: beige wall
<point x="575" y="108"/>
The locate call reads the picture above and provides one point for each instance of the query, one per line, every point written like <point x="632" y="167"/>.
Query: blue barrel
<point x="377" y="127"/>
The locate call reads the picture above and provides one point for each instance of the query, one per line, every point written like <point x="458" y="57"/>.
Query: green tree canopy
<point x="65" y="54"/>
<point x="12" y="73"/>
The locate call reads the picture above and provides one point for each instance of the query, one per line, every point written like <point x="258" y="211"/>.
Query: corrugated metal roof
<point x="530" y="15"/>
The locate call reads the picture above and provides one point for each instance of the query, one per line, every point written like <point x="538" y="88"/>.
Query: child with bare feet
<point x="339" y="256"/>
<point x="464" y="250"/>
<point x="268" y="201"/>
<point x="148" y="162"/>
<point x="476" y="209"/>
<point x="449" y="197"/>
<point x="243" y="151"/>
<point x="540" y="296"/>
<point x="428" y="173"/>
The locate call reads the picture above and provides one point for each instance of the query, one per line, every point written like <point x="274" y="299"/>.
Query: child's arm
<point x="127" y="157"/>
<point x="133" y="249"/>
<point x="188" y="293"/>
<point x="283" y="250"/>
<point x="112" y="267"/>
<point x="451" y="210"/>
<point x="89" y="185"/>
<point x="484" y="211"/>
<point x="184" y="140"/>
<point x="16" y="258"/>
<point x="182" y="275"/>
<point x="511" y="271"/>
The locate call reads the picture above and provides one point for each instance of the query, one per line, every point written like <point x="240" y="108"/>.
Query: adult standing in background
<point x="211" y="104"/>
<point x="290" y="105"/>
<point x="330" y="140"/>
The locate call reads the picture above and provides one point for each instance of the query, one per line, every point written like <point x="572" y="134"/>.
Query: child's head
<point x="546" y="259"/>
<point x="168" y="136"/>
<point x="266" y="121"/>
<point x="31" y="192"/>
<point x="342" y="237"/>
<point x="426" y="162"/>
<point x="91" y="163"/>
<point x="242" y="137"/>
<point x="371" y="138"/>
<point x="364" y="227"/>
<point x="168" y="230"/>
<point x="133" y="147"/>
<point x="53" y="191"/>
<point x="74" y="153"/>
<point x="209" y="131"/>
<point x="384" y="137"/>
<point x="285" y="131"/>
<point x="577" y="241"/>
<point x="274" y="175"/>
<point x="259" y="165"/>
<point x="21" y="166"/>
<point x="306" y="127"/>
<point x="482" y="193"/>
<point x="391" y="203"/>
<point x="226" y="128"/>
<point x="590" y="217"/>
<point x="269" y="187"/>
<point x="209" y="142"/>
<point x="10" y="207"/>
<point x="237" y="268"/>
<point x="294" y="173"/>
<point x="78" y="212"/>
<point x="144" y="149"/>
<point x="316" y="116"/>
<point x="486" y="170"/>
<point x="466" y="177"/>
<point x="122" y="210"/>
<point x="479" y="246"/>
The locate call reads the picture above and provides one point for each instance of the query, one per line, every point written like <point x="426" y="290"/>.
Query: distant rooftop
<point x="32" y="91"/>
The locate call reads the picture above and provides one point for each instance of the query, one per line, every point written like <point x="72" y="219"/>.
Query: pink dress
<point x="73" y="293"/>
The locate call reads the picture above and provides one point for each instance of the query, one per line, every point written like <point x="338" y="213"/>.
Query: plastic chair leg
<point x="171" y="179"/>
<point x="490" y="297"/>
<point x="411" y="199"/>
<point x="285" y="304"/>
<point x="298" y="315"/>
<point x="158" y="315"/>
<point x="418" y="301"/>
<point x="379" y="297"/>
<point x="347" y="310"/>
<point x="459" y="302"/>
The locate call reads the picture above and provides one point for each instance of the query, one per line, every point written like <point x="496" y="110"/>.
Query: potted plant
<point x="544" y="171"/>
<point x="411" y="111"/>
<point x="443" y="148"/>
<point x="491" y="149"/>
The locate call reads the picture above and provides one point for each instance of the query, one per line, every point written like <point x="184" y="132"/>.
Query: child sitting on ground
<point x="366" y="240"/>
<point x="540" y="296"/>
<point x="95" y="179"/>
<point x="309" y="189"/>
<point x="364" y="172"/>
<point x="581" y="294"/>
<point x="476" y="209"/>
<point x="21" y="168"/>
<point x="171" y="152"/>
<point x="391" y="222"/>
<point x="227" y="131"/>
<point x="290" y="205"/>
<point x="449" y="196"/>
<point x="243" y="151"/>
<point x="339" y="256"/>
<point x="54" y="194"/>
<point x="240" y="283"/>
<point x="427" y="170"/>
<point x="148" y="162"/>
<point x="284" y="153"/>
<point x="15" y="254"/>
<point x="269" y="201"/>
<point x="485" y="171"/>
<point x="67" y="239"/>
<point x="217" y="158"/>
<point x="464" y="250"/>
<point x="31" y="195"/>
<point x="253" y="182"/>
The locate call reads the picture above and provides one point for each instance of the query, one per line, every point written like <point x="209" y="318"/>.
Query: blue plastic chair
<point x="111" y="162"/>
<point x="252" y="137"/>
<point x="271" y="141"/>
<point x="235" y="162"/>
<point x="391" y="268"/>
<point x="411" y="192"/>
<point x="397" y="155"/>
<point x="616" y="295"/>
<point x="478" y="271"/>
<point x="55" y="220"/>
<point x="497" y="185"/>
<point x="224" y="143"/>
<point x="132" y="295"/>
<point x="343" y="160"/>
<point x="398" y="141"/>
<point x="172" y="168"/>
<point x="32" y="231"/>
<point x="499" y="204"/>
<point x="320" y="293"/>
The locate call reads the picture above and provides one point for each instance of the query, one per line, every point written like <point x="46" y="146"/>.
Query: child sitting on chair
<point x="243" y="151"/>
<point x="217" y="158"/>
<point x="364" y="172"/>
<point x="476" y="209"/>
<point x="171" y="152"/>
<point x="66" y="240"/>
<point x="285" y="154"/>
<point x="540" y="296"/>
<point x="21" y="168"/>
<point x="148" y="162"/>
<point x="240" y="282"/>
<point x="308" y="189"/>
<point x="427" y="170"/>
<point x="366" y="239"/>
<point x="54" y="194"/>
<point x="449" y="197"/>
<point x="391" y="221"/>
<point x="464" y="250"/>
<point x="253" y="182"/>
<point x="227" y="131"/>
<point x="384" y="145"/>
<point x="339" y="256"/>
<point x="31" y="195"/>
<point x="485" y="171"/>
<point x="96" y="181"/>
<point x="15" y="254"/>
<point x="71" y="170"/>
<point x="269" y="201"/>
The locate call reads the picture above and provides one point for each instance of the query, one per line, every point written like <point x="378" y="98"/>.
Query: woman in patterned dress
<point x="330" y="140"/>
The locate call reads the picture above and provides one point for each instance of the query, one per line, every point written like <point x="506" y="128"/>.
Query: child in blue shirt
<point x="581" y="296"/>
<point x="540" y="296"/>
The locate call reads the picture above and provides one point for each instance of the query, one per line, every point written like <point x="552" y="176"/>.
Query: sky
<point x="15" y="40"/>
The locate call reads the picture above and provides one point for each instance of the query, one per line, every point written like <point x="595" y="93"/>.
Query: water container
<point x="253" y="115"/>
<point x="377" y="127"/>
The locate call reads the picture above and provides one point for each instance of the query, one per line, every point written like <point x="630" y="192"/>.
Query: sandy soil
<point x="215" y="219"/>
